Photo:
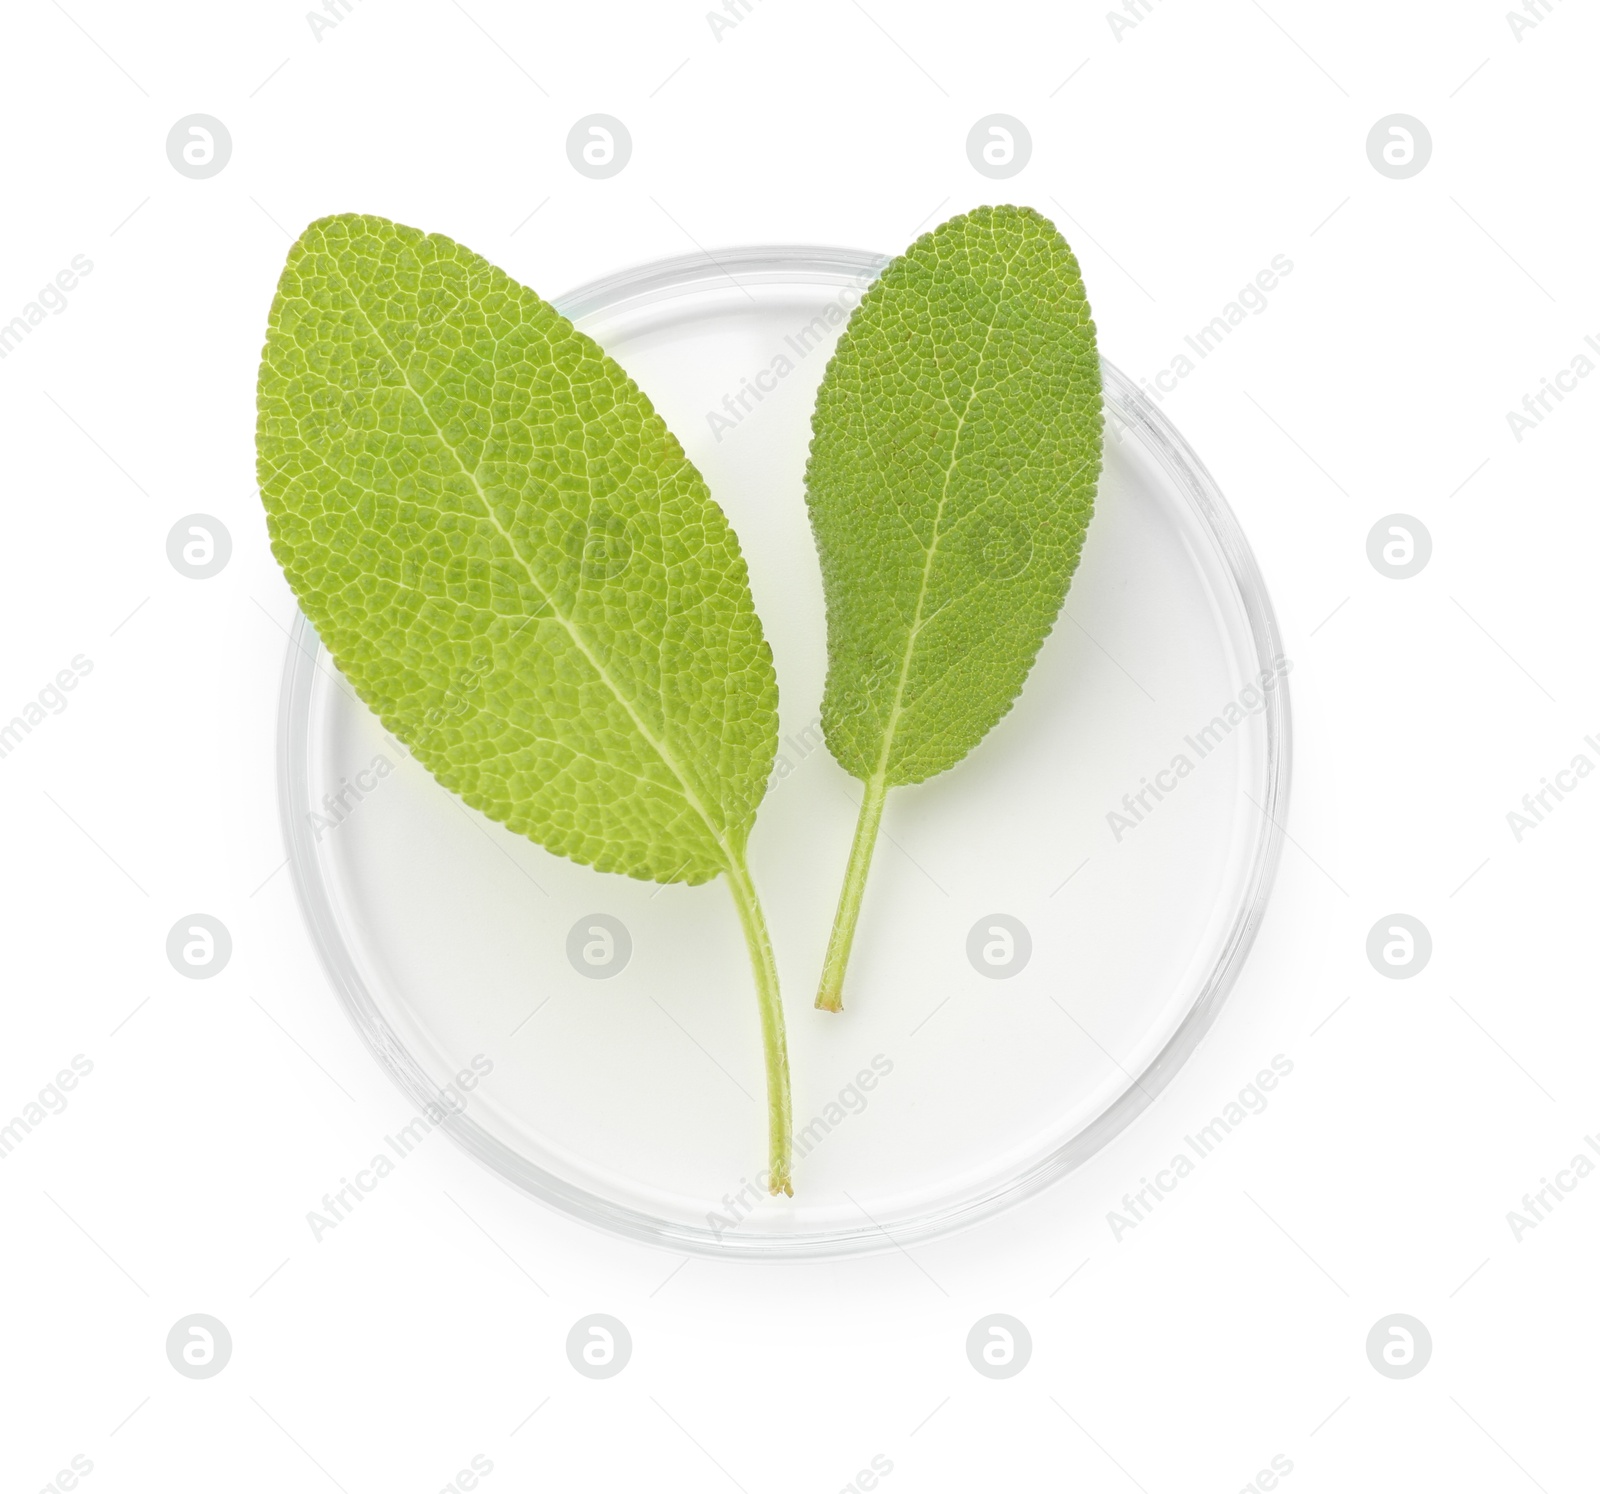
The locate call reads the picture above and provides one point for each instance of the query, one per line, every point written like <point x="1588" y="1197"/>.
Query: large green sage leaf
<point x="512" y="561"/>
<point x="509" y="556"/>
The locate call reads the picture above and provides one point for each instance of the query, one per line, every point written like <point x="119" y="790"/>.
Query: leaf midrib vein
<point x="667" y="760"/>
<point x="897" y="708"/>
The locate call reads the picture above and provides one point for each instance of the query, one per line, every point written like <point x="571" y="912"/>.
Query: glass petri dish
<point x="1049" y="930"/>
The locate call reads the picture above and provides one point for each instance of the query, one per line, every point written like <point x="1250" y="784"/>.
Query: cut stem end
<point x="764" y="966"/>
<point x="830" y="990"/>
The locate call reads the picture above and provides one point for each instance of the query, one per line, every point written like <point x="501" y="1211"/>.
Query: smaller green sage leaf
<point x="955" y="452"/>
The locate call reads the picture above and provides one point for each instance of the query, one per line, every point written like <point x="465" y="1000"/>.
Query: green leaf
<point x="509" y="555"/>
<point x="955" y="452"/>
<point x="515" y="565"/>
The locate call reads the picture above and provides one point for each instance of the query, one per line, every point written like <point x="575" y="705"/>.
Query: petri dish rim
<point x="1137" y="416"/>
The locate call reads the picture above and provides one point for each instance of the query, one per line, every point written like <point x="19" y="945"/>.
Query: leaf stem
<point x="764" y="965"/>
<point x="830" y="992"/>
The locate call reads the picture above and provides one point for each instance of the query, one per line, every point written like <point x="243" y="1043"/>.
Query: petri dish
<point x="1049" y="930"/>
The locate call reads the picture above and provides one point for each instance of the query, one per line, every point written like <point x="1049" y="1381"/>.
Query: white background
<point x="1178" y="159"/>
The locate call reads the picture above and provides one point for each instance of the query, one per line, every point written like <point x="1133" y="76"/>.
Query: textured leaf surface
<point x="954" y="457"/>
<point x="509" y="556"/>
